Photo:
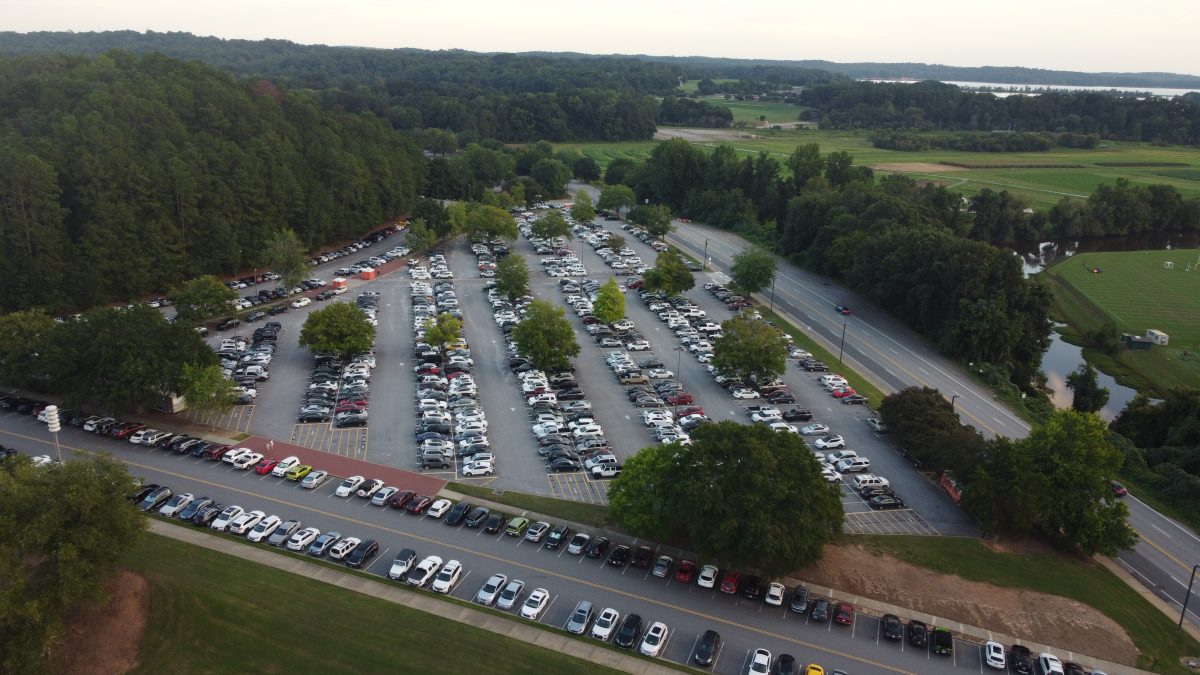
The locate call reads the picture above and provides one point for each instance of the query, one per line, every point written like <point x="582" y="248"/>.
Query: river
<point x="1008" y="89"/>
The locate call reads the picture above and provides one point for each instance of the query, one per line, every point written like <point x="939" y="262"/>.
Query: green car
<point x="299" y="471"/>
<point x="516" y="526"/>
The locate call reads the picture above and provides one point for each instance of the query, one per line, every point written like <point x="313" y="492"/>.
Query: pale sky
<point x="1091" y="36"/>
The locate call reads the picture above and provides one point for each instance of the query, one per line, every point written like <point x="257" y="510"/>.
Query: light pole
<point x="842" y="346"/>
<point x="1183" y="611"/>
<point x="706" y="255"/>
<point x="953" y="399"/>
<point x="54" y="426"/>
<point x="679" y="380"/>
<point x="773" y="301"/>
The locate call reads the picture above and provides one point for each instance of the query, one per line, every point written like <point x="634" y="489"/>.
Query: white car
<point x="243" y="523"/>
<point x="301" y="302"/>
<point x="284" y="466"/>
<point x="510" y="595"/>
<point x="744" y="393"/>
<point x="535" y="603"/>
<point x="659" y="374"/>
<point x="993" y="655"/>
<point x="482" y="468"/>
<point x="623" y="324"/>
<point x="785" y="427"/>
<point x="225" y="517"/>
<point x="246" y="461"/>
<point x="707" y="577"/>
<point x="447" y="577"/>
<point x="381" y="497"/>
<point x="605" y="624"/>
<point x="638" y="346"/>
<point x="264" y="528"/>
<point x="425" y="569"/>
<point x="176" y="504"/>
<point x="342" y="549"/>
<point x="491" y="589"/>
<point x="348" y="486"/>
<point x="766" y="415"/>
<point x="834" y="457"/>
<point x="369" y="488"/>
<point x="314" y="479"/>
<point x="775" y="593"/>
<point x="235" y="454"/>
<point x="830" y="442"/>
<point x="300" y="540"/>
<point x="814" y="430"/>
<point x="830" y="475"/>
<point x="139" y="437"/>
<point x="654" y="639"/>
<point x="760" y="662"/>
<point x="438" y="508"/>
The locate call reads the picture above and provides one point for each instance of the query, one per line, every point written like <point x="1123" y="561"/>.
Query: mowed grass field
<point x="1137" y="293"/>
<point x="214" y="613"/>
<point x="750" y="111"/>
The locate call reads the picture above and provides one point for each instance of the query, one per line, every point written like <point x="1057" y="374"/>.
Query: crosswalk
<point x="326" y="438"/>
<point x="578" y="487"/>
<point x="900" y="521"/>
<point x="236" y="419"/>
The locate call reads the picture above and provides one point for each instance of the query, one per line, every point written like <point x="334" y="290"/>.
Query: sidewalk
<point x="512" y="628"/>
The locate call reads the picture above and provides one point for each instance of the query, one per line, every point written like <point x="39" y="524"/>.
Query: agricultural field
<point x="784" y="114"/>
<point x="1136" y="292"/>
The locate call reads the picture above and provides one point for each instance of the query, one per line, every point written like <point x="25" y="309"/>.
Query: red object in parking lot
<point x="369" y="275"/>
<point x="729" y="582"/>
<point x="686" y="570"/>
<point x="264" y="467"/>
<point x="692" y="410"/>
<point x="844" y="614"/>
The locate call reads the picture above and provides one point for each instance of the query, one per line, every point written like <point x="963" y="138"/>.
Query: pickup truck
<point x="606" y="470"/>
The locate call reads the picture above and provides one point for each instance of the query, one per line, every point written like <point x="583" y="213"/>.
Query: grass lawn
<point x="579" y="512"/>
<point x="1137" y="293"/>
<point x="1152" y="632"/>
<point x="214" y="613"/>
<point x="750" y="111"/>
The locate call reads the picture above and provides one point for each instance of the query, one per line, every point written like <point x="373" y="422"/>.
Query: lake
<point x="1063" y="357"/>
<point x="1007" y="89"/>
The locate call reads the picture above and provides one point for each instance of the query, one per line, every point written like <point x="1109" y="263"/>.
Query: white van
<point x="854" y="465"/>
<point x="869" y="480"/>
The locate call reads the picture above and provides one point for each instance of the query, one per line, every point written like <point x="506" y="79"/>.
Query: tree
<point x="618" y="171"/>
<point x="201" y="299"/>
<point x="749" y="348"/>
<point x="586" y="169"/>
<point x="582" y="210"/>
<point x="206" y="390"/>
<point x="512" y="277"/>
<point x="654" y="219"/>
<point x="609" y="306"/>
<point x="1007" y="491"/>
<point x="456" y="217"/>
<point x="550" y="225"/>
<point x="924" y="422"/>
<point x="615" y="242"/>
<point x="1089" y="395"/>
<point x="669" y="275"/>
<point x="443" y="329"/>
<point x="63" y="531"/>
<point x="753" y="269"/>
<point x="340" y="328"/>
<point x="24" y="336"/>
<point x="733" y="494"/>
<point x="552" y="175"/>
<point x="485" y="223"/>
<point x="435" y="217"/>
<point x="418" y="236"/>
<point x="286" y="256"/>
<point x="545" y="336"/>
<point x="616" y="197"/>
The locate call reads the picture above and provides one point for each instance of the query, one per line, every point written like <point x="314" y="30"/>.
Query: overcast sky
<point x="1092" y="36"/>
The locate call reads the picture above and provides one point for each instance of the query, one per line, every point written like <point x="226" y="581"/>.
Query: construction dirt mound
<point x="105" y="639"/>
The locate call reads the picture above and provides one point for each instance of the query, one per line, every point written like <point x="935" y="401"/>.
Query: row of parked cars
<point x="354" y="247"/>
<point x="247" y="363"/>
<point x="338" y="392"/>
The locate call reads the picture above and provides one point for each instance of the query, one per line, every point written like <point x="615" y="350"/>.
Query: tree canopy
<point x="340" y="328"/>
<point x="747" y="496"/>
<point x="609" y="306"/>
<point x="206" y="389"/>
<point x="200" y="299"/>
<point x="288" y="257"/>
<point x="753" y="269"/>
<point x="485" y="223"/>
<point x="442" y="329"/>
<point x="582" y="209"/>
<point x="1089" y="395"/>
<point x="512" y="277"/>
<point x="418" y="236"/>
<point x="669" y="274"/>
<point x="63" y="531"/>
<point x="617" y="197"/>
<point x="748" y="348"/>
<point x="654" y="219"/>
<point x="546" y="337"/>
<point x="24" y="338"/>
<point x="551" y="224"/>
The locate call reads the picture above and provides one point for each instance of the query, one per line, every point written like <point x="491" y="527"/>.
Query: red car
<point x="842" y="309"/>
<point x="401" y="498"/>
<point x="1118" y="489"/>
<point x="216" y="452"/>
<point x="682" y="398"/>
<point x="264" y="467"/>
<point x="687" y="570"/>
<point x="844" y="392"/>
<point x="844" y="613"/>
<point x="418" y="504"/>
<point x="691" y="410"/>
<point x="127" y="429"/>
<point x="729" y="582"/>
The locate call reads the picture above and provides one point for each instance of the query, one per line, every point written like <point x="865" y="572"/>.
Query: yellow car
<point x="299" y="471"/>
<point x="814" y="669"/>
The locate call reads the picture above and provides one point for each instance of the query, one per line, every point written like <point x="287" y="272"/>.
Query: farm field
<point x="1134" y="290"/>
<point x="750" y="111"/>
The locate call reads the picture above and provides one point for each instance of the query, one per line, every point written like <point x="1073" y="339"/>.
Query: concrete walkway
<point x="424" y="602"/>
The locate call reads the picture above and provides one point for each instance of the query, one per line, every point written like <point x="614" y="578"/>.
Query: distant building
<point x="1160" y="338"/>
<point x="1137" y="342"/>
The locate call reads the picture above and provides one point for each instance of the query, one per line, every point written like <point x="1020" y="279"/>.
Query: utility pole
<point x="842" y="346"/>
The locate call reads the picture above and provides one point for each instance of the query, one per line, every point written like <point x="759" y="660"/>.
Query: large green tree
<point x="545" y="336"/>
<point x="551" y="224"/>
<point x="552" y="175"/>
<point x="616" y="198"/>
<point x="340" y="328"/>
<point x="206" y="390"/>
<point x="615" y="242"/>
<point x="24" y="338"/>
<point x="512" y="277"/>
<point x="749" y="348"/>
<point x="443" y="329"/>
<point x="1089" y="395"/>
<point x="619" y="171"/>
<point x="654" y="219"/>
<point x="923" y="422"/>
<point x="63" y="531"/>
<point x="669" y="275"/>
<point x="286" y="255"/>
<point x="200" y="299"/>
<point x="753" y="269"/>
<point x="582" y="210"/>
<point x="747" y="496"/>
<point x="418" y="236"/>
<point x="485" y="223"/>
<point x="609" y="306"/>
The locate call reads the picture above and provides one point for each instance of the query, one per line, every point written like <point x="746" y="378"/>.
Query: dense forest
<point x="125" y="174"/>
<point x="930" y="106"/>
<point x="982" y="141"/>
<point x="686" y="112"/>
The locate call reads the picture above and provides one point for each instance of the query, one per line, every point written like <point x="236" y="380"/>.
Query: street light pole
<point x="952" y="400"/>
<point x="1183" y="612"/>
<point x="678" y="379"/>
<point x="706" y="255"/>
<point x="773" y="297"/>
<point x="53" y="425"/>
<point x="842" y="346"/>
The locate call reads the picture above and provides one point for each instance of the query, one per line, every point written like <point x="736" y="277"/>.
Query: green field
<point x="1135" y="291"/>
<point x="692" y="86"/>
<point x="1042" y="188"/>
<point x="1154" y="634"/>
<point x="750" y="111"/>
<point x="214" y="613"/>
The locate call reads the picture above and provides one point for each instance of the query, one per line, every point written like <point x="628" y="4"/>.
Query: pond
<point x="1063" y="357"/>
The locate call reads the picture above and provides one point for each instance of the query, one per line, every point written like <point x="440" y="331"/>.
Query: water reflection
<point x="1063" y="357"/>
<point x="1036" y="258"/>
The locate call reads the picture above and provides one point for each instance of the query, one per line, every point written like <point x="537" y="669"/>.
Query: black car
<point x="362" y="553"/>
<point x="752" y="588"/>
<point x="786" y="665"/>
<point x="477" y="516"/>
<point x="797" y="415"/>
<point x="229" y="323"/>
<point x="194" y="507"/>
<point x="869" y="492"/>
<point x="277" y="309"/>
<point x="138" y="496"/>
<point x="918" y="634"/>
<point x="206" y="515"/>
<point x="781" y="397"/>
<point x="564" y="464"/>
<point x="1020" y="659"/>
<point x="707" y="648"/>
<point x="619" y="556"/>
<point x="458" y="513"/>
<point x="892" y="627"/>
<point x="885" y="502"/>
<point x="642" y="557"/>
<point x="255" y="316"/>
<point x="629" y="631"/>
<point x="494" y="522"/>
<point x="155" y="499"/>
<point x="820" y="610"/>
<point x="557" y="536"/>
<point x="596" y="547"/>
<point x="799" y="601"/>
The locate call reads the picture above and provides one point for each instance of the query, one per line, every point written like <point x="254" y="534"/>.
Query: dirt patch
<point x="701" y="135"/>
<point x="105" y="639"/>
<point x="920" y="167"/>
<point x="1038" y="617"/>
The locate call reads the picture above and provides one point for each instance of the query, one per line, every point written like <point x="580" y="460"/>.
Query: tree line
<point x="126" y="174"/>
<point x="686" y="112"/>
<point x="931" y="106"/>
<point x="983" y="141"/>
